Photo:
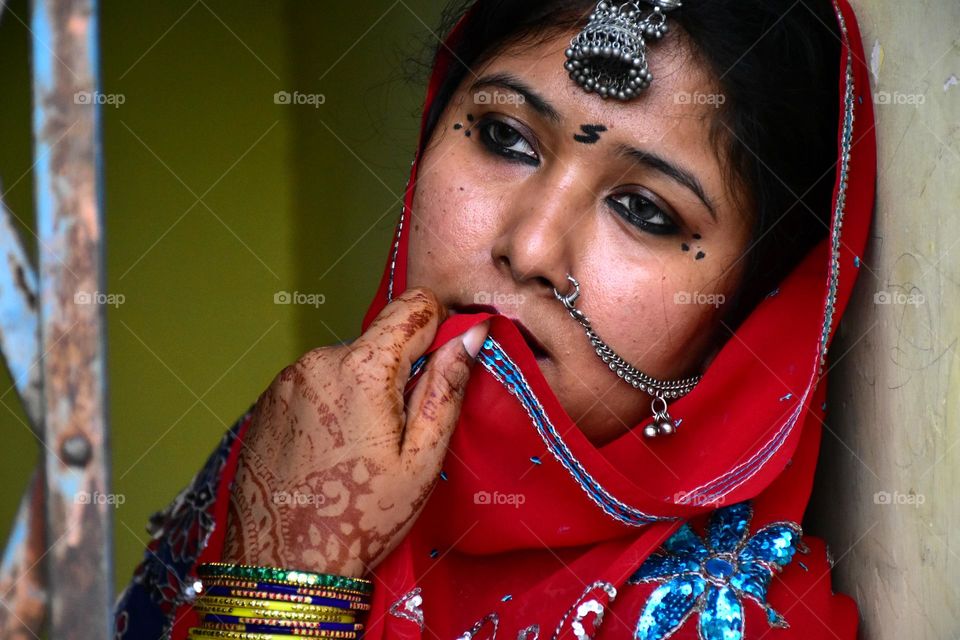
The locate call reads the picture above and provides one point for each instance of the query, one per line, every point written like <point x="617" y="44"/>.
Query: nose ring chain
<point x="663" y="423"/>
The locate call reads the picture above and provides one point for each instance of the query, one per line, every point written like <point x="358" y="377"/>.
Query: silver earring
<point x="662" y="423"/>
<point x="609" y="56"/>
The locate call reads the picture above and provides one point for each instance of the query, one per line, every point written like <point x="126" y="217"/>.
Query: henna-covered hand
<point x="335" y="468"/>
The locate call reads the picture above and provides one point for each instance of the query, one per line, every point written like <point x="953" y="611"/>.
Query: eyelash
<point x="488" y="129"/>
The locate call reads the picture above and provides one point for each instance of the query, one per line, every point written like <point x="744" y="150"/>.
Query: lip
<point x="539" y="351"/>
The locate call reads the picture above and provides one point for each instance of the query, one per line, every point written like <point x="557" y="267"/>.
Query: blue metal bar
<point x="22" y="580"/>
<point x="69" y="197"/>
<point x="19" y="326"/>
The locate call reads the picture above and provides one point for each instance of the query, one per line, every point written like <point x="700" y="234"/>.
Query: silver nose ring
<point x="571" y="298"/>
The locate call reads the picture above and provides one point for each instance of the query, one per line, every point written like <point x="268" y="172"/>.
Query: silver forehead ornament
<point x="609" y="56"/>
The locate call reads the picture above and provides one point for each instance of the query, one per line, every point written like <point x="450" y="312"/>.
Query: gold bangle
<point x="313" y="591"/>
<point x="246" y="612"/>
<point x="269" y="605"/>
<point x="197" y="633"/>
<point x="239" y="592"/>
<point x="220" y="621"/>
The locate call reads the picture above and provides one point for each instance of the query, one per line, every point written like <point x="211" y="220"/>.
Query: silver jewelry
<point x="662" y="423"/>
<point x="609" y="56"/>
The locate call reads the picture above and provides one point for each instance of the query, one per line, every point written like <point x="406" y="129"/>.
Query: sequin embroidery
<point x="712" y="577"/>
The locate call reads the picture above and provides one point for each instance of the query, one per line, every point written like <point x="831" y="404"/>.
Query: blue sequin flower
<point x="713" y="577"/>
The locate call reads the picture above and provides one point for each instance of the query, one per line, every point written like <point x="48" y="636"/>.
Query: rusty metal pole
<point x="69" y="196"/>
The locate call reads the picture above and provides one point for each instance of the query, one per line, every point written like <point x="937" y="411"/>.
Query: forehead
<point x="678" y="107"/>
<point x="672" y="118"/>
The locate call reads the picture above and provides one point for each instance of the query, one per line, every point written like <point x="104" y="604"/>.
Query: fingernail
<point x="473" y="338"/>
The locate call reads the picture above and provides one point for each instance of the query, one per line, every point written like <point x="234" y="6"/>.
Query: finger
<point x="436" y="402"/>
<point x="401" y="333"/>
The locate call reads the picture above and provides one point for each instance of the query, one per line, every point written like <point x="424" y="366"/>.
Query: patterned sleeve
<point x="187" y="532"/>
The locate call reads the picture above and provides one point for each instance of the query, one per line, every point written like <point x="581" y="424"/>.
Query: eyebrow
<point x="648" y="159"/>
<point x="670" y="170"/>
<point x="512" y="83"/>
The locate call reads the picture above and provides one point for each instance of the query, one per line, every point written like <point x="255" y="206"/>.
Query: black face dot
<point x="591" y="133"/>
<point x="700" y="255"/>
<point x="459" y="125"/>
<point x="470" y="117"/>
<point x="685" y="246"/>
<point x="697" y="236"/>
<point x="467" y="133"/>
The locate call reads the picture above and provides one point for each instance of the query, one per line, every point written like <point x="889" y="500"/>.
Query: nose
<point x="542" y="233"/>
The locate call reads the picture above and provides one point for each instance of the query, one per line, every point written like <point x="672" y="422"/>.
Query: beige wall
<point x="886" y="497"/>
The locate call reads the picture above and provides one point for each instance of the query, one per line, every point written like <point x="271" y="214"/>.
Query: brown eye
<point x="642" y="212"/>
<point x="502" y="139"/>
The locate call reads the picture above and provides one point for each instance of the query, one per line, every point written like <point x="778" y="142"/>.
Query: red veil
<point x="533" y="532"/>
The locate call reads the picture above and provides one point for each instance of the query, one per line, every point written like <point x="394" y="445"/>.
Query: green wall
<point x="216" y="199"/>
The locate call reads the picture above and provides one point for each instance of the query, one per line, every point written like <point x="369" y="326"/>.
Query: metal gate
<point x="57" y="567"/>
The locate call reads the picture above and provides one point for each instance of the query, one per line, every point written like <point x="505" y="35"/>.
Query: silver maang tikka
<point x="663" y="423"/>
<point x="609" y="56"/>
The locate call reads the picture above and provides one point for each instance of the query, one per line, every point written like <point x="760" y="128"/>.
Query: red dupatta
<point x="532" y="532"/>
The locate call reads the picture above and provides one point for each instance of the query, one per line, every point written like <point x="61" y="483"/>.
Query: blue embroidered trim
<point x="501" y="367"/>
<point x="712" y="577"/>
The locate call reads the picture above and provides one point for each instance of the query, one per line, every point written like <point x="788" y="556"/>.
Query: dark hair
<point x="776" y="63"/>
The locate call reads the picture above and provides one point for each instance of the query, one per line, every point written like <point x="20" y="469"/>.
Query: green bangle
<point x="284" y="576"/>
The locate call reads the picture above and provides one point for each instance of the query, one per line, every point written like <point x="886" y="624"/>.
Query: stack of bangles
<point x="265" y="603"/>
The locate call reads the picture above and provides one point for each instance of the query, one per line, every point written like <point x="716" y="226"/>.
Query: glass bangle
<point x="285" y="588"/>
<point x="234" y="592"/>
<point x="251" y="612"/>
<point x="268" y="626"/>
<point x="270" y="605"/>
<point x="217" y="634"/>
<point x="284" y="576"/>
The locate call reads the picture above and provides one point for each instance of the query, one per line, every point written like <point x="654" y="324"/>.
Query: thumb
<point x="436" y="401"/>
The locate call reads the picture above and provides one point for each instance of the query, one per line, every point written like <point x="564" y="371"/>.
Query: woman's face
<point x="528" y="178"/>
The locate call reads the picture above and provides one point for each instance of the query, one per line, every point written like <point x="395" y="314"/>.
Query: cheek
<point x="453" y="213"/>
<point x="661" y="304"/>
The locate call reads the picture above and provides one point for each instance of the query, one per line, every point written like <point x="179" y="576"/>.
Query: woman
<point x="470" y="453"/>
